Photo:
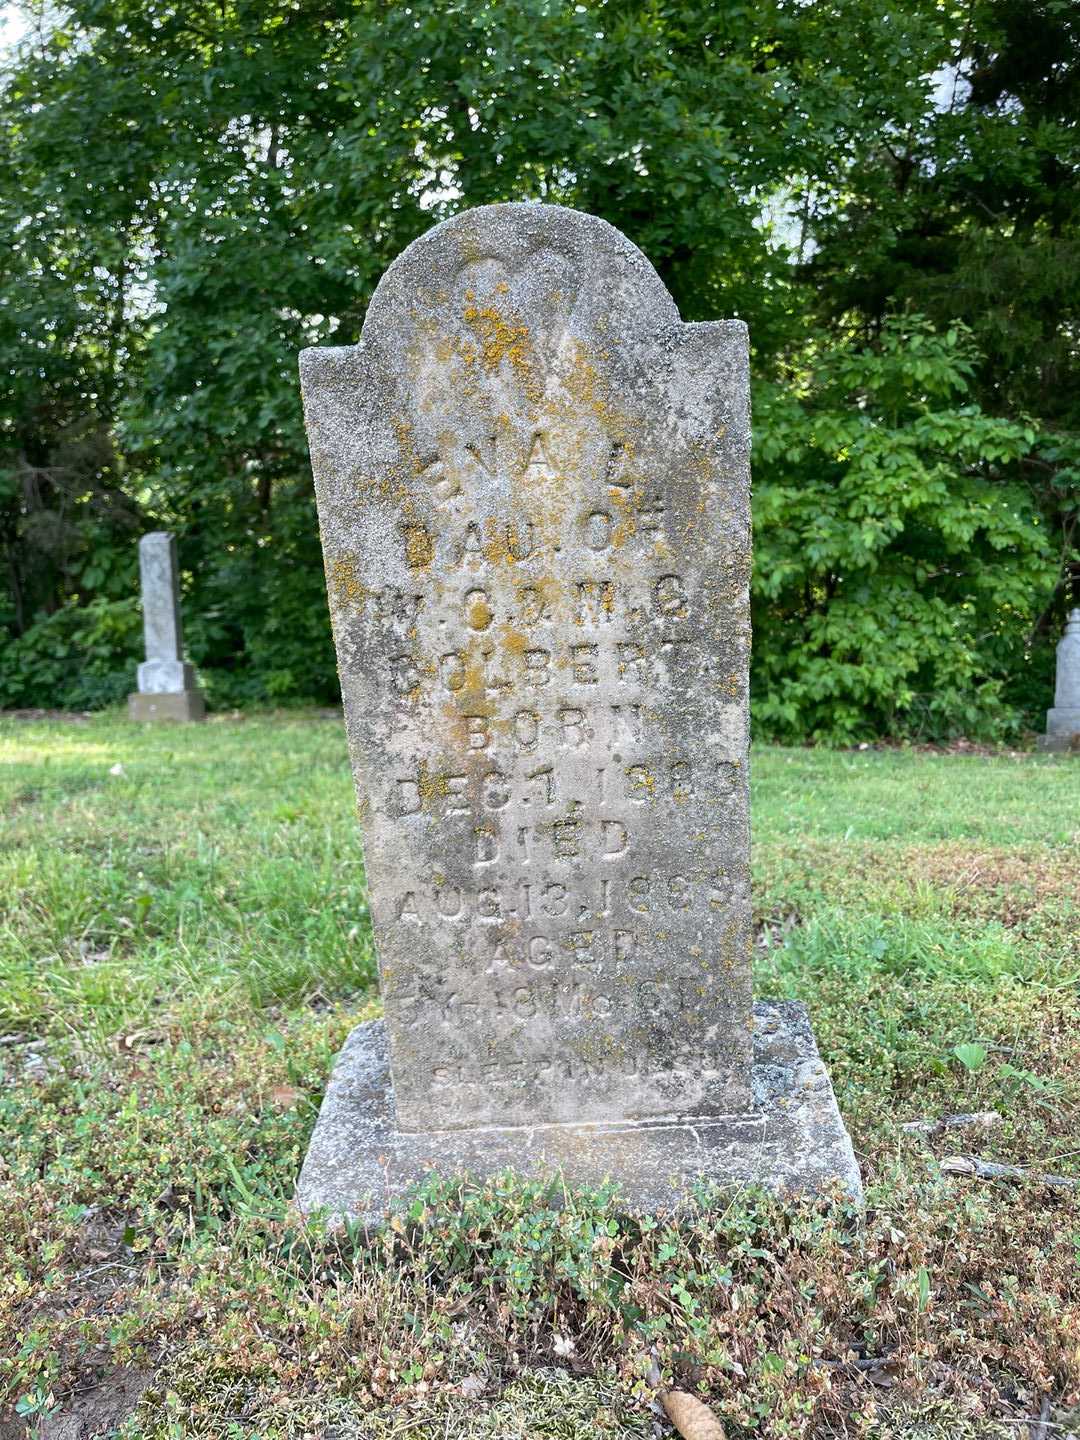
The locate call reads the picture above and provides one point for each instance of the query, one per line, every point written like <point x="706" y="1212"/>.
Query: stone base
<point x="359" y="1164"/>
<point x="178" y="705"/>
<point x="1059" y="744"/>
<point x="1062" y="730"/>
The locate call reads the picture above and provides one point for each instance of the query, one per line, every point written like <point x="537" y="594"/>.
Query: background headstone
<point x="167" y="689"/>
<point x="1063" y="721"/>
<point x="533" y="487"/>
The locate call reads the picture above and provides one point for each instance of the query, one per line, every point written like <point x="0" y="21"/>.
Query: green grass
<point x="184" y="943"/>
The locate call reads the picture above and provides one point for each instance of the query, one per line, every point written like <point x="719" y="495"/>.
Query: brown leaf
<point x="692" y="1419"/>
<point x="284" y="1097"/>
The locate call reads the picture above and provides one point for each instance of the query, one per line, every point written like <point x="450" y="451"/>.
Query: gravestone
<point x="167" y="689"/>
<point x="1063" y="721"/>
<point x="533" y="492"/>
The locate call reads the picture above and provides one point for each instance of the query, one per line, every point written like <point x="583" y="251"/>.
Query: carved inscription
<point x="535" y="520"/>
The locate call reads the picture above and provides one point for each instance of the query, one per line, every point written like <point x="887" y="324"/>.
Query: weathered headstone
<point x="533" y="491"/>
<point x="167" y="689"/>
<point x="1063" y="721"/>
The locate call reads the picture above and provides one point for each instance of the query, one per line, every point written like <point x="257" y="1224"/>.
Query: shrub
<point x="81" y="657"/>
<point x="899" y="560"/>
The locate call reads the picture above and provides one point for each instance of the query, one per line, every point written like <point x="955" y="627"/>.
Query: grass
<point x="184" y="944"/>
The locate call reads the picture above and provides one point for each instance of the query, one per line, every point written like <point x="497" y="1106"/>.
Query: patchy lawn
<point x="184" y="944"/>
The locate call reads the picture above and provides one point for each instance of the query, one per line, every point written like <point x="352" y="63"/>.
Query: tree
<point x="202" y="190"/>
<point x="970" y="212"/>
<point x="898" y="547"/>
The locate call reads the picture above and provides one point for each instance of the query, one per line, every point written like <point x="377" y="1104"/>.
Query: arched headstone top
<point x="513" y="340"/>
<point x="546" y="271"/>
<point x="560" y="268"/>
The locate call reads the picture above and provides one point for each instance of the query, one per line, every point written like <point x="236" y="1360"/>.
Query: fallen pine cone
<point x="692" y="1419"/>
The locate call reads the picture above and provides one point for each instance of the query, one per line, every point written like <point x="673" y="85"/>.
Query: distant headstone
<point x="533" y="490"/>
<point x="167" y="689"/>
<point x="1063" y="721"/>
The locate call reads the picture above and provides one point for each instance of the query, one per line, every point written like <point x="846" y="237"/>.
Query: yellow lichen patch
<point x="478" y="615"/>
<point x="483" y="708"/>
<point x="459" y="729"/>
<point x="407" y="445"/>
<point x="504" y="544"/>
<point x="468" y="357"/>
<point x="590" y="392"/>
<point x="345" y="584"/>
<point x="500" y="339"/>
<point x="387" y="487"/>
<point x="641" y="778"/>
<point x="419" y="547"/>
<point x="537" y="599"/>
<point x="513" y="641"/>
<point x="474" y="691"/>
<point x="431" y="788"/>
<point x="626" y="505"/>
<point x="468" y="682"/>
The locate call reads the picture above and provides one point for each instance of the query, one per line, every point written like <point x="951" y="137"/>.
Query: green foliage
<point x="970" y="210"/>
<point x="898" y="552"/>
<point x="79" y="658"/>
<point x="259" y="628"/>
<point x="190" y="195"/>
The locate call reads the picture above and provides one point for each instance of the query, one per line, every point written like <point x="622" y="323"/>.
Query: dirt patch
<point x="94" y="1411"/>
<point x="1005" y="885"/>
<point x="92" y="1401"/>
<point x="23" y="798"/>
<point x="99" y="1409"/>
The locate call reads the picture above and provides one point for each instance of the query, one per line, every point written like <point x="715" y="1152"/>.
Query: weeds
<point x="185" y="945"/>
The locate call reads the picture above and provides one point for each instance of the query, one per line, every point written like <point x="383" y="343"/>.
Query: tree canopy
<point x="887" y="193"/>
